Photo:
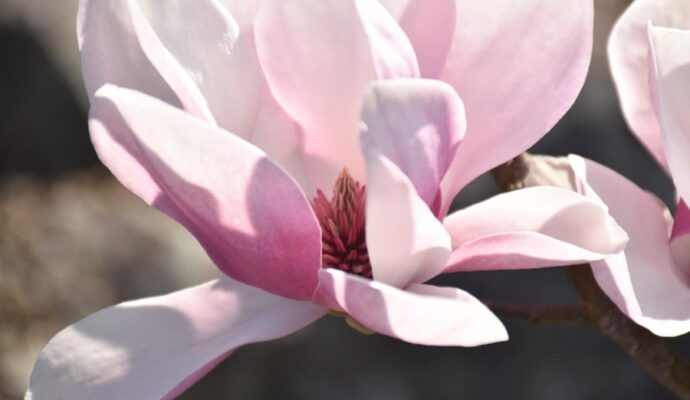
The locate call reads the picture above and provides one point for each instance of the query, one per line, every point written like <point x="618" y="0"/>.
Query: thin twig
<point x="652" y="352"/>
<point x="537" y="314"/>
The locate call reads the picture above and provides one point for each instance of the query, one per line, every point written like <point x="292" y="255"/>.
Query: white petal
<point x="157" y="347"/>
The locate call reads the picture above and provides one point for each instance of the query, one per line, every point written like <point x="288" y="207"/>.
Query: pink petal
<point x="218" y="186"/>
<point x="406" y="243"/>
<point x="518" y="69"/>
<point x="243" y="11"/>
<point x="211" y="55"/>
<point x="532" y="228"/>
<point x="168" y="66"/>
<point x="418" y="125"/>
<point x="111" y="52"/>
<point x="430" y="25"/>
<point x="158" y="347"/>
<point x="319" y="57"/>
<point x="629" y="59"/>
<point x="670" y="83"/>
<point x="421" y="314"/>
<point x="391" y="50"/>
<point x="643" y="281"/>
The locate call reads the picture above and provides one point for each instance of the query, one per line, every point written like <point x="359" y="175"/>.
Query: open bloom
<point x="650" y="280"/>
<point x="306" y="147"/>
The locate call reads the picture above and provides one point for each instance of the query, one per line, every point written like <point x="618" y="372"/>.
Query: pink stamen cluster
<point x="342" y="223"/>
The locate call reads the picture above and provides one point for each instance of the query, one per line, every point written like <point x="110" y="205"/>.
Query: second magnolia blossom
<point x="300" y="145"/>
<point x="650" y="280"/>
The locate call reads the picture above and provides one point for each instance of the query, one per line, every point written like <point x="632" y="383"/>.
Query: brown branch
<point x="652" y="352"/>
<point x="537" y="314"/>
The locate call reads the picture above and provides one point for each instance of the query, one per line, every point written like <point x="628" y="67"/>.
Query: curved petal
<point x="643" y="281"/>
<point x="417" y="124"/>
<point x="532" y="228"/>
<point x="628" y="50"/>
<point x="217" y="185"/>
<point x="158" y="347"/>
<point x="211" y="54"/>
<point x="111" y="53"/>
<point x="168" y="66"/>
<point x="391" y="50"/>
<point x="430" y="25"/>
<point x="670" y="81"/>
<point x="243" y="11"/>
<point x="518" y="69"/>
<point x="406" y="243"/>
<point x="421" y="314"/>
<point x="319" y="58"/>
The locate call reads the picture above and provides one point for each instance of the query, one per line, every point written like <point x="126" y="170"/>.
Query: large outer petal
<point x="158" y="347"/>
<point x="643" y="281"/>
<point x="519" y="68"/>
<point x="532" y="228"/>
<point x="406" y="243"/>
<point x="430" y="25"/>
<point x="670" y="81"/>
<point x="416" y="123"/>
<point x="629" y="60"/>
<point x="111" y="52"/>
<point x="318" y="59"/>
<point x="251" y="218"/>
<point x="421" y="314"/>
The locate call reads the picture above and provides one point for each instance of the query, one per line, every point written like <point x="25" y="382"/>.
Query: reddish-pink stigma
<point x="342" y="223"/>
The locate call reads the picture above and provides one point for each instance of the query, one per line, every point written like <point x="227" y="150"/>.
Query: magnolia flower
<point x="312" y="150"/>
<point x="650" y="280"/>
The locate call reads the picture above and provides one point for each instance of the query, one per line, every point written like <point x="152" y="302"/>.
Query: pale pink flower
<point x="650" y="280"/>
<point x="629" y="58"/>
<point x="332" y="189"/>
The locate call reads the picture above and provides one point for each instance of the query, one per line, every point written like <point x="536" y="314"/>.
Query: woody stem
<point x="538" y="314"/>
<point x="652" y="352"/>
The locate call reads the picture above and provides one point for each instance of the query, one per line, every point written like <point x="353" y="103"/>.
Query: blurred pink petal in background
<point x="650" y="280"/>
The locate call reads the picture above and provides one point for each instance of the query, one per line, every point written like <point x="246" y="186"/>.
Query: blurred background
<point x="72" y="241"/>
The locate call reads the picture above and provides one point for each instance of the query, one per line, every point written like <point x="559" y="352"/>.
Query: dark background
<point x="73" y="241"/>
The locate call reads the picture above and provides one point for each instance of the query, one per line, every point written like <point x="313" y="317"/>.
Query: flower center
<point x="342" y="223"/>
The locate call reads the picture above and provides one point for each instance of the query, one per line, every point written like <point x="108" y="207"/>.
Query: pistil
<point x="342" y="225"/>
